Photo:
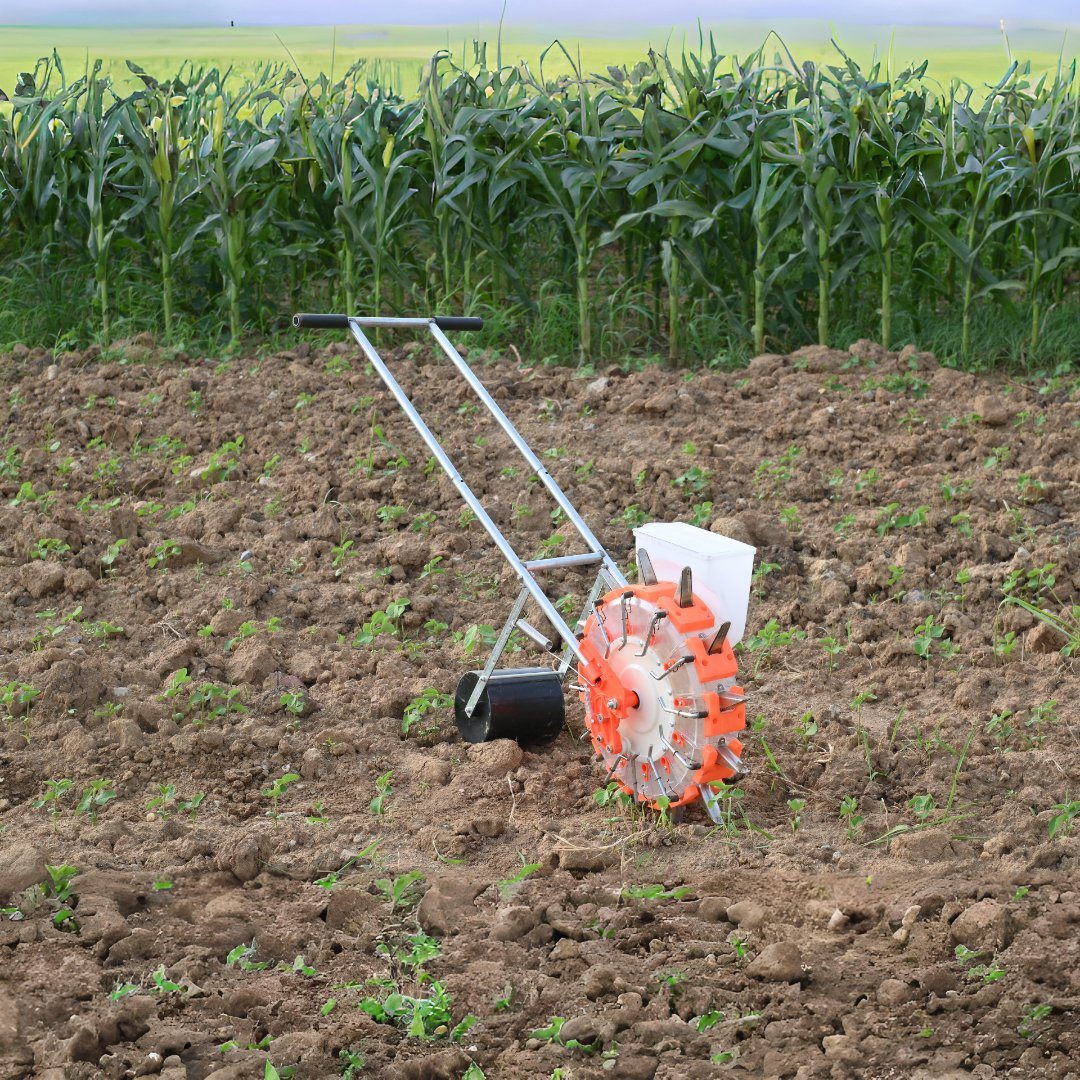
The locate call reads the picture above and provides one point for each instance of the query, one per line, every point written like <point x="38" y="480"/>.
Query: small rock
<point x="496" y="758"/>
<point x="983" y="926"/>
<point x="597" y="389"/>
<point x="409" y="551"/>
<point x="601" y="981"/>
<point x="746" y="915"/>
<point x="938" y="980"/>
<point x="893" y="992"/>
<point x="842" y="1048"/>
<point x="243" y="857"/>
<point x="446" y="904"/>
<point x="838" y="921"/>
<point x="78" y="581"/>
<point x="313" y="764"/>
<point x="512" y="923"/>
<point x="585" y="1029"/>
<point x="991" y="410"/>
<point x="252" y="663"/>
<point x="21" y="867"/>
<point x="713" y="909"/>
<point x="732" y="528"/>
<point x="9" y="1022"/>
<point x="586" y="860"/>
<point x="1045" y="639"/>
<point x="907" y="921"/>
<point x="41" y="578"/>
<point x="780" y="962"/>
<point x="660" y="403"/>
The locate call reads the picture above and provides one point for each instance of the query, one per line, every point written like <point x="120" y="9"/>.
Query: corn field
<point x="695" y="205"/>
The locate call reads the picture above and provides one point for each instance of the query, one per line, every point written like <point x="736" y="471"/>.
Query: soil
<point x="210" y="927"/>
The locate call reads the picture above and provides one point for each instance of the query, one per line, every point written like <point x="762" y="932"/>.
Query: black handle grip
<point x="321" y="322"/>
<point x="458" y="322"/>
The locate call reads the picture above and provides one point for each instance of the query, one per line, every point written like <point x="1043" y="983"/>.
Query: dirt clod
<point x="780" y="962"/>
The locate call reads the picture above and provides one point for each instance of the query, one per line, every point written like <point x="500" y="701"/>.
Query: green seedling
<point x="49" y="547"/>
<point x="796" y="806"/>
<point x="430" y="700"/>
<point x="1030" y="1027"/>
<point x="294" y="702"/>
<point x="277" y="789"/>
<point x="509" y="886"/>
<point x="1061" y="823"/>
<point x="416" y="950"/>
<point x="163" y="984"/>
<point x="383" y="791"/>
<point x="402" y="892"/>
<point x="161" y="802"/>
<point x="162" y="553"/>
<point x="422" y="1017"/>
<point x="655" y="892"/>
<point x="95" y="795"/>
<point x="54" y="791"/>
<point x="849" y="815"/>
<point x="382" y="622"/>
<point x="241" y="956"/>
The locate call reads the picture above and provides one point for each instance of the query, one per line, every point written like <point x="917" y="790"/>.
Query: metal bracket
<point x="497" y="651"/>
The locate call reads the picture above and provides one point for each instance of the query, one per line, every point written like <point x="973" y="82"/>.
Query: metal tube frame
<point x="609" y="574"/>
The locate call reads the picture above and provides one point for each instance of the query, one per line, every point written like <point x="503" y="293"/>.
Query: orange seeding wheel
<point x="662" y="706"/>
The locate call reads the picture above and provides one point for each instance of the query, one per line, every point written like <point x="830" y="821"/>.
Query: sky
<point x="613" y="13"/>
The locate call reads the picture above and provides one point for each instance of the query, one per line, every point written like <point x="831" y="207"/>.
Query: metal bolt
<point x="612" y="703"/>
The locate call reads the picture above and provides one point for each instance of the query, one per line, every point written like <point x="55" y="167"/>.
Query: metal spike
<point x="674" y="667"/>
<point x="686" y="587"/>
<point x="731" y="761"/>
<point x="689" y="714"/>
<point x="730" y="699"/>
<point x="645" y="568"/>
<point x="721" y="636"/>
<point x="625" y="605"/>
<point x="611" y="771"/>
<point x="691" y="766"/>
<point x="656" y="620"/>
<point x="659" y="779"/>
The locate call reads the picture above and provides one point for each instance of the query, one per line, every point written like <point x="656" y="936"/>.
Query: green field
<point x="977" y="55"/>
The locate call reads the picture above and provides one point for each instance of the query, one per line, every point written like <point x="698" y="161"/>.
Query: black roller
<point x="526" y="704"/>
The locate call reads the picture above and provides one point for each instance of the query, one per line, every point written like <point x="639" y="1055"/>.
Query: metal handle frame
<point x="608" y="572"/>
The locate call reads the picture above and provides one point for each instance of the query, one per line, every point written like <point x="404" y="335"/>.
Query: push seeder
<point x="654" y="662"/>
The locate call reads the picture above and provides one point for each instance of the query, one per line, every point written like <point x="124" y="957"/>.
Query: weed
<point x="796" y="806"/>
